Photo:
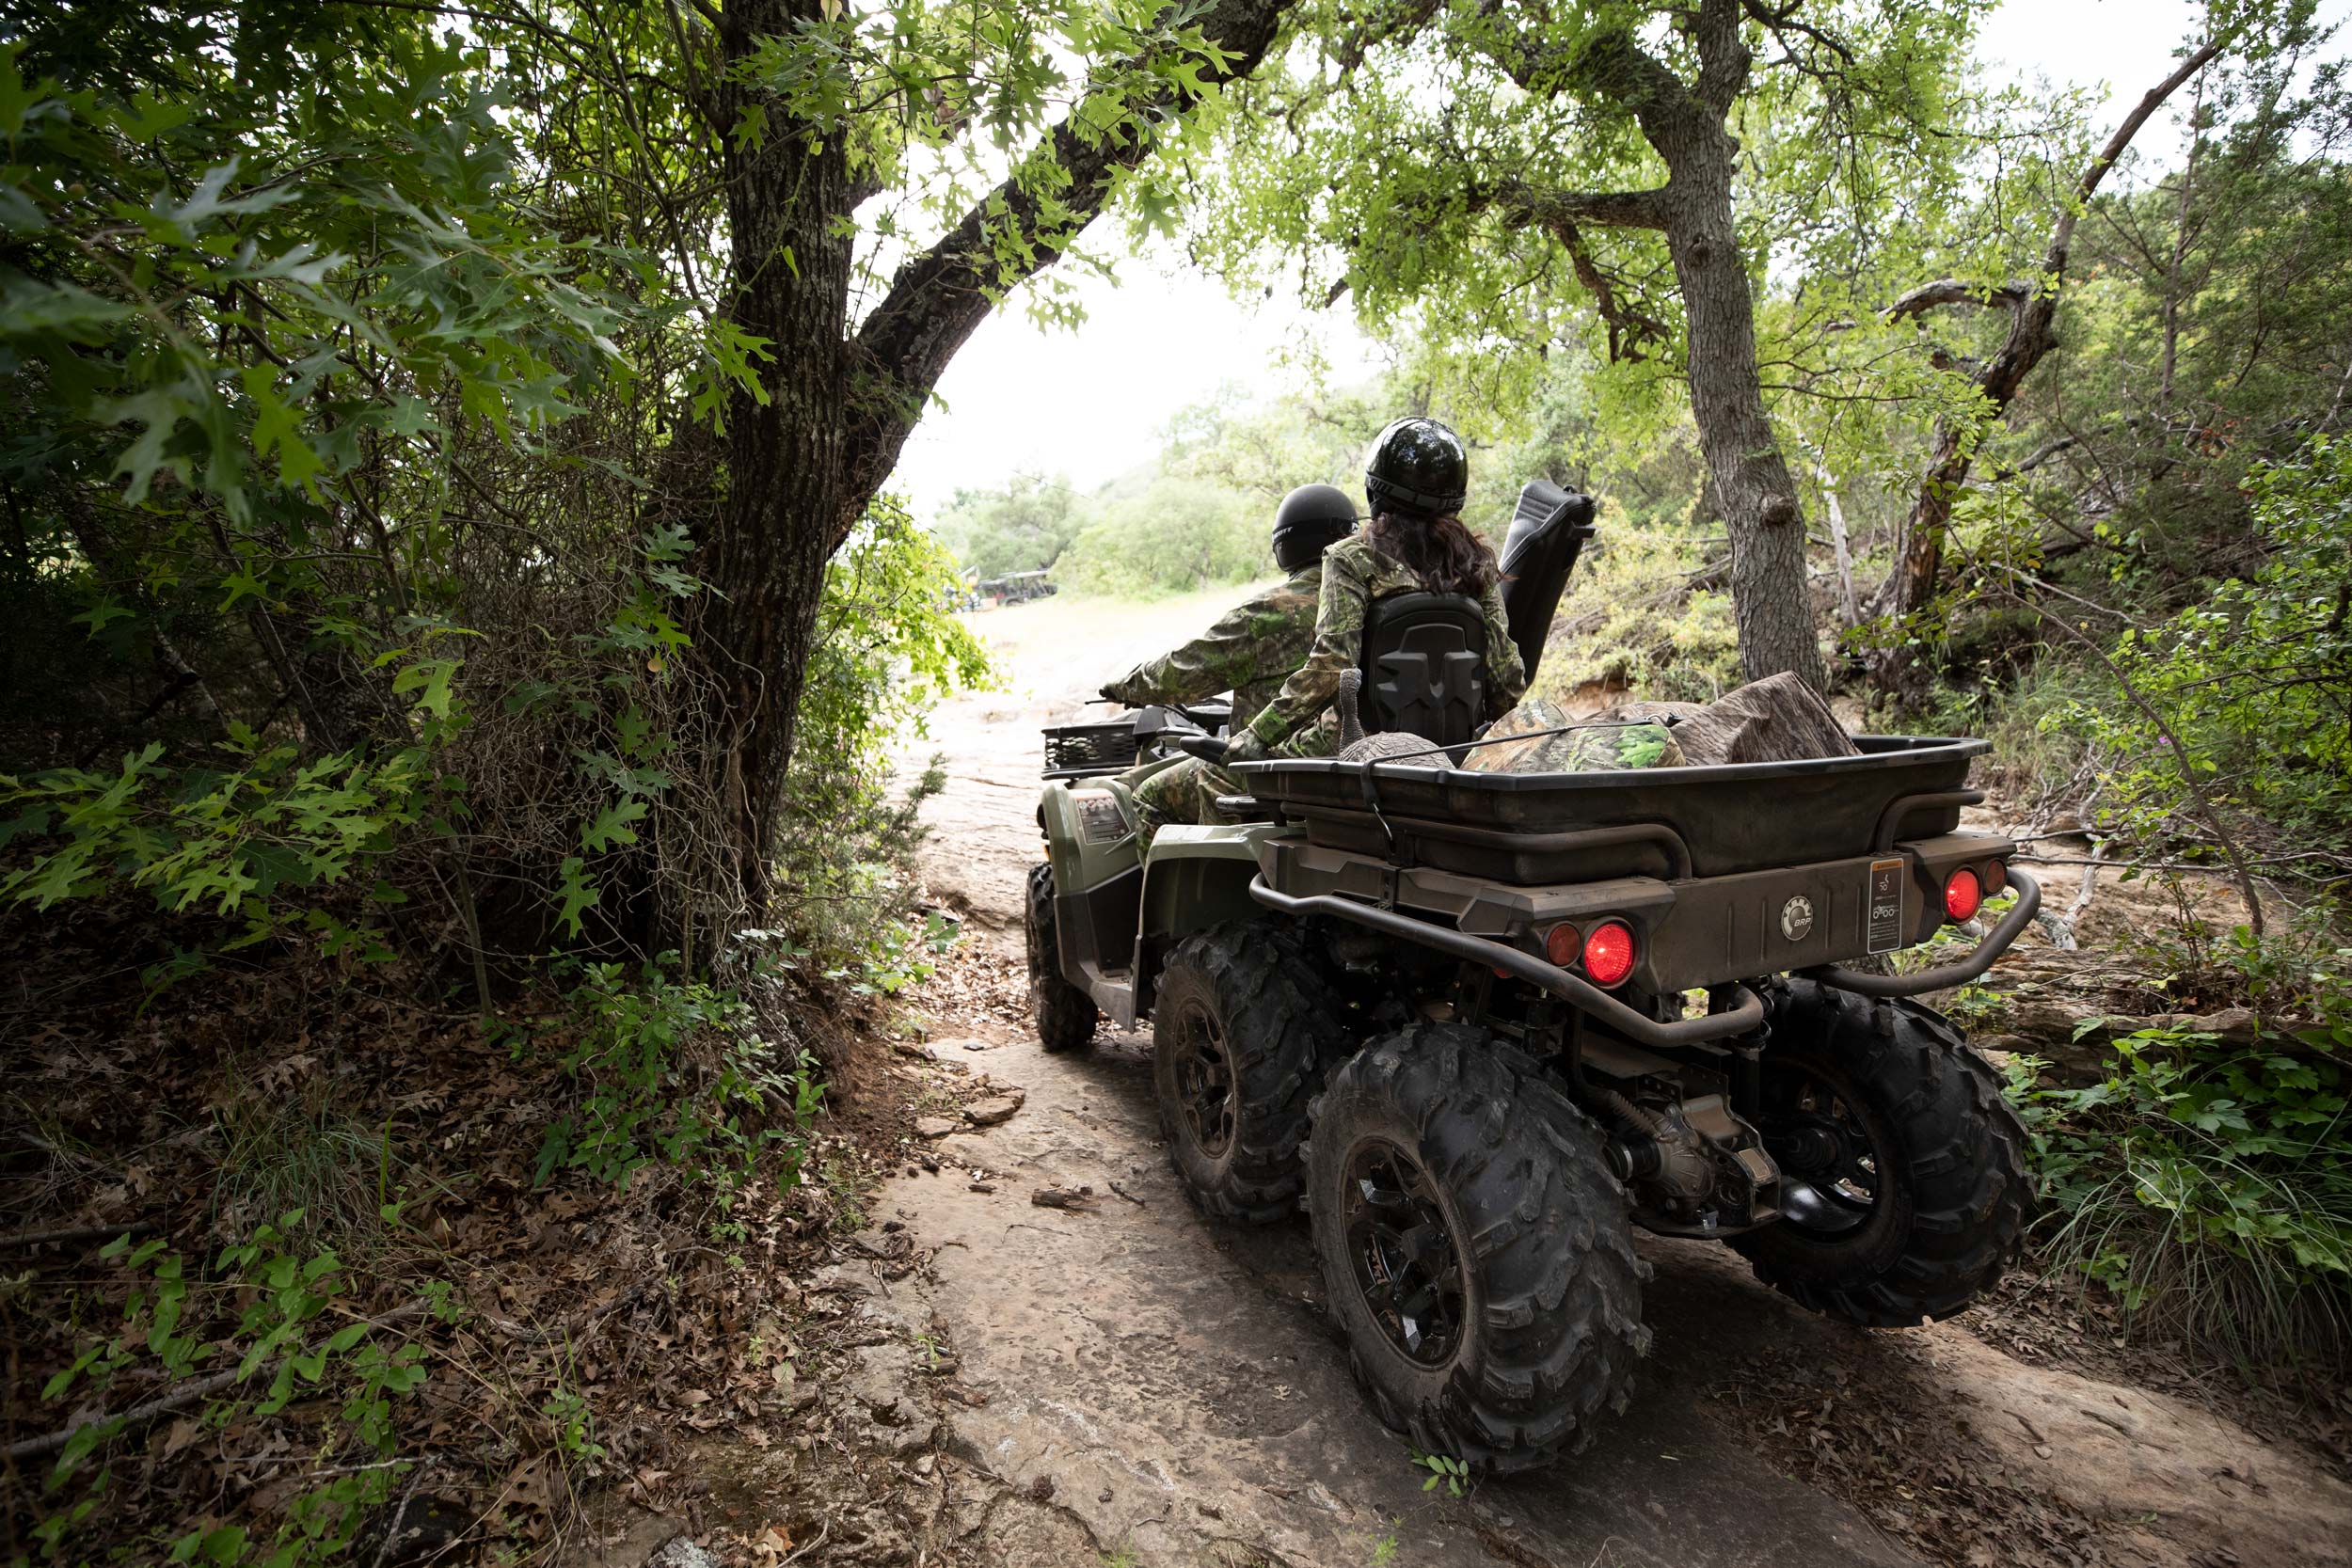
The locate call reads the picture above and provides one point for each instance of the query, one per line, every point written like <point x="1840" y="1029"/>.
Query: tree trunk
<point x="803" y="462"/>
<point x="1752" y="481"/>
<point x="774" y="525"/>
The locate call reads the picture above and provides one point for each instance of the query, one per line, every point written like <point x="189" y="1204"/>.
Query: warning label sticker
<point x="1099" y="821"/>
<point x="1886" y="905"/>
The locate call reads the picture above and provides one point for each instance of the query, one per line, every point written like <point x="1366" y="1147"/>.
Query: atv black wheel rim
<point x="1204" y="1082"/>
<point x="1831" y="1168"/>
<point x="1408" y="1266"/>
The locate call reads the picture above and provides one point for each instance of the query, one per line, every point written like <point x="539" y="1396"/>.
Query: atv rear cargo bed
<point x="1531" y="828"/>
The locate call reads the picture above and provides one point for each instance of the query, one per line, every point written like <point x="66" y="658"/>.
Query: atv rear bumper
<point x="1501" y="928"/>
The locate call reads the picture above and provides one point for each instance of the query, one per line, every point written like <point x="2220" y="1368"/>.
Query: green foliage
<point x="269" y="1313"/>
<point x="1631" y="620"/>
<point x="675" y="1073"/>
<point x="279" y="323"/>
<point x="1444" y="1470"/>
<point x="2209" y="1186"/>
<point x="1023" y="526"/>
<point x="1176" y="536"/>
<point x="2256" y="680"/>
<point x="248" y="843"/>
<point x="886" y="649"/>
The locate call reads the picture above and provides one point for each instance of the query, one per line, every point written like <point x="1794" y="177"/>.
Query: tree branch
<point x="1953" y="291"/>
<point x="937" y="299"/>
<point x="1525" y="203"/>
<point x="1629" y="329"/>
<point x="1723" y="58"/>
<point x="2088" y="185"/>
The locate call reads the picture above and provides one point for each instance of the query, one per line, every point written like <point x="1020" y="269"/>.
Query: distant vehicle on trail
<point x="1015" y="588"/>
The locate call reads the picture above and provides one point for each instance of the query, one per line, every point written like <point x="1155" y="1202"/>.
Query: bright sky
<point x="1091" y="403"/>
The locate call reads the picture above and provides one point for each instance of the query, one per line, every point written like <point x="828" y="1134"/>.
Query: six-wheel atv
<point x="1482" y="1024"/>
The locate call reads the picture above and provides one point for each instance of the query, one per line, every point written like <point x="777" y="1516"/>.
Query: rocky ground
<point x="1036" y="1353"/>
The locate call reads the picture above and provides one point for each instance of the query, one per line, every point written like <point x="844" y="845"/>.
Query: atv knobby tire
<point x="1066" y="1015"/>
<point x="1547" y="1326"/>
<point x="1242" y="1022"/>
<point x="1948" y="1164"/>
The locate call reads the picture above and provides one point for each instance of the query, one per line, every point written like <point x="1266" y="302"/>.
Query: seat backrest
<point x="1425" y="667"/>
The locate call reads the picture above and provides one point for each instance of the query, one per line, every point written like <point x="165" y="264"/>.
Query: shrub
<point x="2209" y="1186"/>
<point x="674" y="1072"/>
<point x="2256" y="680"/>
<point x="263" y="1330"/>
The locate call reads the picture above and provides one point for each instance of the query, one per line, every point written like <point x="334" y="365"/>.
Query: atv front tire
<point x="1066" y="1015"/>
<point x="1476" y="1247"/>
<point x="1902" y="1167"/>
<point x="1242" y="1024"/>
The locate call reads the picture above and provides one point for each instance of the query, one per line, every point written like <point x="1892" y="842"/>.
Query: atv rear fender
<point x="1110" y="910"/>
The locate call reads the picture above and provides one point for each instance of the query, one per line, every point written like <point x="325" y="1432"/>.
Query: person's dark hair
<point x="1440" y="550"/>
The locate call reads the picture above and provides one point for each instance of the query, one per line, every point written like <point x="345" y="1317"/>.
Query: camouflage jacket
<point x="1248" y="652"/>
<point x="1354" y="575"/>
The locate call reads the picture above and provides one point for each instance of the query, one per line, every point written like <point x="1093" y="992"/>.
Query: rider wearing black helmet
<point x="1417" y="479"/>
<point x="1255" y="645"/>
<point x="1249" y="652"/>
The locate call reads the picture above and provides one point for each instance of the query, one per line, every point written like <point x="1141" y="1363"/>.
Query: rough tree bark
<point x="803" y="465"/>
<point x="1684" y="123"/>
<point x="2032" y="334"/>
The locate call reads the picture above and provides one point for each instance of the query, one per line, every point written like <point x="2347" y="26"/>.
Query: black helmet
<point x="1418" y="465"/>
<point x="1310" y="519"/>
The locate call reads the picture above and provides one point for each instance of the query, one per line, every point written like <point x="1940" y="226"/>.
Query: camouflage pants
<point x="1185" y="793"/>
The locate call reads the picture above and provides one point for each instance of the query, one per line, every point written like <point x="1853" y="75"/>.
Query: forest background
<point x="458" y="612"/>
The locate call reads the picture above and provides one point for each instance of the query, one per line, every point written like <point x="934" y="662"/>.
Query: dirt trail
<point x="1138" y="1381"/>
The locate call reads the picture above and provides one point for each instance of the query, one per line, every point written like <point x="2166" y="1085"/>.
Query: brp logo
<point x="1796" y="918"/>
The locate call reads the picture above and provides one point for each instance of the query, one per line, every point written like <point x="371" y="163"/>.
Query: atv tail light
<point x="1964" y="894"/>
<point x="1563" y="945"/>
<point x="1995" y="877"/>
<point x="1609" y="952"/>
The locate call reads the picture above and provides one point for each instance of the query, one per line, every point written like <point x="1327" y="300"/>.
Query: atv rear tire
<point x="1476" y="1247"/>
<point x="1243" y="1023"/>
<point x="1066" y="1015"/>
<point x="1903" y="1169"/>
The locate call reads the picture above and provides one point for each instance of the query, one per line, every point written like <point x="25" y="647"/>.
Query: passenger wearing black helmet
<point x="1250" y="651"/>
<point x="1416" y="480"/>
<point x="1255" y="645"/>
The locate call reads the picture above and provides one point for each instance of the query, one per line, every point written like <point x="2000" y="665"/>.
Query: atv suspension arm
<point x="1748" y="1015"/>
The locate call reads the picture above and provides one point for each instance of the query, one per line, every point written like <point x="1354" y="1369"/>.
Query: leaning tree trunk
<point x="2032" y="334"/>
<point x="805" y="458"/>
<point x="1770" y="598"/>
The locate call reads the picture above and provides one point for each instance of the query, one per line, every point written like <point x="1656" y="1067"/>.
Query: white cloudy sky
<point x="1089" y="403"/>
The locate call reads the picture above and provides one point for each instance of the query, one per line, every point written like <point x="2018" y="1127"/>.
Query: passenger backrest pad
<point x="1425" y="667"/>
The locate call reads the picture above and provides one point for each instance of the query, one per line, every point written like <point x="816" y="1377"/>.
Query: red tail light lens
<point x="1609" y="953"/>
<point x="1995" y="877"/>
<point x="1963" y="895"/>
<point x="1562" y="944"/>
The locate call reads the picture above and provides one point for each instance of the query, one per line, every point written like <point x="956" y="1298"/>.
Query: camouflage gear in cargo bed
<point x="1354" y="575"/>
<point x="1549" y="745"/>
<point x="1249" y="652"/>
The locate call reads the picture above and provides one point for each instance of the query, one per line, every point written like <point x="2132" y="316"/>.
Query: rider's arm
<point x="1339" y="645"/>
<point x="1217" y="660"/>
<point x="1506" y="676"/>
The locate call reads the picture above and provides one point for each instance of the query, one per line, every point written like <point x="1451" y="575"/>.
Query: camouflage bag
<point x="1588" y="748"/>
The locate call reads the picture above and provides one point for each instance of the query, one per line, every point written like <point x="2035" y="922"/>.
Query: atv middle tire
<point x="1066" y="1015"/>
<point x="1476" y="1247"/>
<point x="1242" y="1024"/>
<point x="1903" y="1168"/>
